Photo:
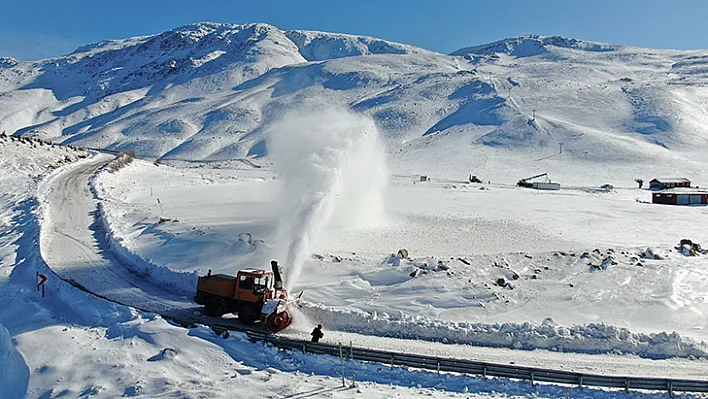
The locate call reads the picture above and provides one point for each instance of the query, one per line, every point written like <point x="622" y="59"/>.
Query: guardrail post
<point x="671" y="390"/>
<point x="532" y="379"/>
<point x="351" y="358"/>
<point x="580" y="381"/>
<point x="438" y="366"/>
<point x="484" y="371"/>
<point x="341" y="361"/>
<point x="626" y="384"/>
<point x="391" y="360"/>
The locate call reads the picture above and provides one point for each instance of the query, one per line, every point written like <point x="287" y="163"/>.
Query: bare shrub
<point x="122" y="160"/>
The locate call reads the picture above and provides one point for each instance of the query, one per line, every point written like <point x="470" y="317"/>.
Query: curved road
<point x="74" y="245"/>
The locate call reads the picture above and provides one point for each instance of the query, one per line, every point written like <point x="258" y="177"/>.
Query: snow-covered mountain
<point x="206" y="91"/>
<point x="530" y="45"/>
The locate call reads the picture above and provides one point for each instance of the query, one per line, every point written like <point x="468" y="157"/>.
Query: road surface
<point x="73" y="243"/>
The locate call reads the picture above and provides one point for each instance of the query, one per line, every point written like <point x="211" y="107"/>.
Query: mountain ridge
<point x="207" y="91"/>
<point x="534" y="44"/>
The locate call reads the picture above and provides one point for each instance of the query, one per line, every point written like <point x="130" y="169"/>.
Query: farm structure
<point x="672" y="182"/>
<point x="681" y="196"/>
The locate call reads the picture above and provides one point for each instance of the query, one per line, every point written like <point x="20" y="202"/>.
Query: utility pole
<point x="561" y="148"/>
<point x="534" y="116"/>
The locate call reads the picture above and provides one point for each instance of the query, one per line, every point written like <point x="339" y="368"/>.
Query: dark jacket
<point x="317" y="334"/>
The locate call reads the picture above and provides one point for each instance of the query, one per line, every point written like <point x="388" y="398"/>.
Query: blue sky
<point x="31" y="29"/>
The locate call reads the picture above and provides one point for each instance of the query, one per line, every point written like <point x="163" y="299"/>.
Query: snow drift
<point x="590" y="338"/>
<point x="181" y="282"/>
<point x="14" y="373"/>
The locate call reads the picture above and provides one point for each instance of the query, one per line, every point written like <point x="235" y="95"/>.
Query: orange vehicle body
<point x="243" y="294"/>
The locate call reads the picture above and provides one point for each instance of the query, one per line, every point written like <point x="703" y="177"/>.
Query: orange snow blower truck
<point x="255" y="295"/>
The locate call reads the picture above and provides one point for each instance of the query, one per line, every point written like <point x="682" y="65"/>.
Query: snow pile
<point x="184" y="282"/>
<point x="591" y="338"/>
<point x="14" y="373"/>
<point x="372" y="380"/>
<point x="332" y="169"/>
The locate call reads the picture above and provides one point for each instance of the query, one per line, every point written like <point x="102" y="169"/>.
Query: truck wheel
<point x="213" y="307"/>
<point x="248" y="314"/>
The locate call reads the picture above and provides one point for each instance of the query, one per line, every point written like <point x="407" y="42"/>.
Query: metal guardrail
<point x="461" y="366"/>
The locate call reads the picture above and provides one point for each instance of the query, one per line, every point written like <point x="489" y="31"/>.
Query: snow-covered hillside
<point x="208" y="91"/>
<point x="530" y="45"/>
<point x="99" y="83"/>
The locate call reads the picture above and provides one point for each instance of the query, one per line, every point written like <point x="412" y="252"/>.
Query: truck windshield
<point x="260" y="285"/>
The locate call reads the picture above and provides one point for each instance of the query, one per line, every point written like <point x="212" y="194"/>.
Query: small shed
<point x="669" y="182"/>
<point x="681" y="196"/>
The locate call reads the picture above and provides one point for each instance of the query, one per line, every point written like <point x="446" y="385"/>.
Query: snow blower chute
<point x="255" y="295"/>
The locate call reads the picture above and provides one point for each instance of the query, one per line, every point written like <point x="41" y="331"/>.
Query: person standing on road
<point x="317" y="333"/>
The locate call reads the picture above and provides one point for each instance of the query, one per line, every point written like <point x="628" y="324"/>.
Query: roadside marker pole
<point x="351" y="360"/>
<point x="41" y="279"/>
<point x="341" y="362"/>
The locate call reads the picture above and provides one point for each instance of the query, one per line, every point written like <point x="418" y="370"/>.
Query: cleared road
<point x="73" y="243"/>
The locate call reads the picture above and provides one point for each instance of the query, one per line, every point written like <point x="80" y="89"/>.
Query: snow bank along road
<point x="74" y="244"/>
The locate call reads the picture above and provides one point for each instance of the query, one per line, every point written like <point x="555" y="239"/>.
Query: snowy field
<point x="550" y="246"/>
<point x="71" y="344"/>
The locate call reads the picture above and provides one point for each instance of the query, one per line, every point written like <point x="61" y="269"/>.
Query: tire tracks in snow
<point x="73" y="243"/>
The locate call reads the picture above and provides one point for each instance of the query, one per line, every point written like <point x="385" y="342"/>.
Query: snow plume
<point x="332" y="168"/>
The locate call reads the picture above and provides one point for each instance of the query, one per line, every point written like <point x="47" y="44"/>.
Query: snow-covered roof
<point x="672" y="180"/>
